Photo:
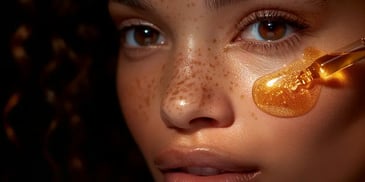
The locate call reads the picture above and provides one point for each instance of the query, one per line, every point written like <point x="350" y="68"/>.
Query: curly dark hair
<point x="60" y="116"/>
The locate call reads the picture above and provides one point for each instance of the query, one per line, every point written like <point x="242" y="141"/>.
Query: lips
<point x="203" y="164"/>
<point x="202" y="171"/>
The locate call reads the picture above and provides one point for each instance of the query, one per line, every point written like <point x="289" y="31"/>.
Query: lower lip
<point x="225" y="177"/>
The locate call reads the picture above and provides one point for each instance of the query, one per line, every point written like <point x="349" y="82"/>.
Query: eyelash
<point x="134" y="23"/>
<point x="272" y="48"/>
<point x="134" y="51"/>
<point x="275" y="48"/>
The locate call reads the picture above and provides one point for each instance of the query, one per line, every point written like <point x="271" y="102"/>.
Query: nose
<point x="194" y="97"/>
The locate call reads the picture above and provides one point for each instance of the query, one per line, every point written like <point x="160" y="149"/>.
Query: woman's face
<point x="185" y="74"/>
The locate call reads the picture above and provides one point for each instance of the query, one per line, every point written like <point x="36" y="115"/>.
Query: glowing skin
<point x="187" y="97"/>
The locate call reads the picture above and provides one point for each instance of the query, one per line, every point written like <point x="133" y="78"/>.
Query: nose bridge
<point x="186" y="84"/>
<point x="192" y="97"/>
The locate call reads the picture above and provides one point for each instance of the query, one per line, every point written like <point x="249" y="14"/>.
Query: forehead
<point x="143" y="4"/>
<point x="209" y="4"/>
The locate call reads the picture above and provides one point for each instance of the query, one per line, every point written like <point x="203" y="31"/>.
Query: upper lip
<point x="180" y="158"/>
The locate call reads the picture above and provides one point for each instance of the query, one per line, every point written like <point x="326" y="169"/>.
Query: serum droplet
<point x="293" y="91"/>
<point x="290" y="91"/>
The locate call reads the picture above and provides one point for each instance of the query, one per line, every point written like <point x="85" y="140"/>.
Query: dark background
<point x="60" y="118"/>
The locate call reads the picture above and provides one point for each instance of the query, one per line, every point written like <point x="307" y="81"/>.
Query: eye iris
<point x="145" y="35"/>
<point x="272" y="30"/>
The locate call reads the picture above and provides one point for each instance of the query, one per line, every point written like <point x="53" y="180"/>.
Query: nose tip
<point x="193" y="93"/>
<point x="196" y="109"/>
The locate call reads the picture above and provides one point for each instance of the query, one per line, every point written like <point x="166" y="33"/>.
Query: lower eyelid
<point x="279" y="48"/>
<point x="138" y="54"/>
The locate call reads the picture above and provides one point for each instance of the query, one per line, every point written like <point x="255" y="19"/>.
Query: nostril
<point x="203" y="122"/>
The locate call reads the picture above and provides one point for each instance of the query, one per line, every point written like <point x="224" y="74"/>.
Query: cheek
<point x="133" y="96"/>
<point x="137" y="92"/>
<point x="329" y="137"/>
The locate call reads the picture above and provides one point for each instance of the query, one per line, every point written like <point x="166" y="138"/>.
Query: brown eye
<point x="142" y="36"/>
<point x="272" y="30"/>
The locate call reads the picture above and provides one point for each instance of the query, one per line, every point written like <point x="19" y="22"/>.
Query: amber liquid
<point x="293" y="91"/>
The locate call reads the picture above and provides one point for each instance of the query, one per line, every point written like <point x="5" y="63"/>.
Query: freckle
<point x="180" y="82"/>
<point x="242" y="97"/>
<point x="172" y="98"/>
<point x="184" y="90"/>
<point x="189" y="85"/>
<point x="191" y="94"/>
<point x="214" y="40"/>
<point x="204" y="89"/>
<point x="253" y="115"/>
<point x="215" y="57"/>
<point x="163" y="67"/>
<point x="175" y="92"/>
<point x="209" y="49"/>
<point x="147" y="101"/>
<point x="230" y="88"/>
<point x="216" y="84"/>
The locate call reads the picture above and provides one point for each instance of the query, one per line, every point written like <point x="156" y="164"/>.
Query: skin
<point x="194" y="90"/>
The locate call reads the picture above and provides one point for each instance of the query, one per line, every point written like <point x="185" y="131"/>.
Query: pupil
<point x="272" y="30"/>
<point x="145" y="35"/>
